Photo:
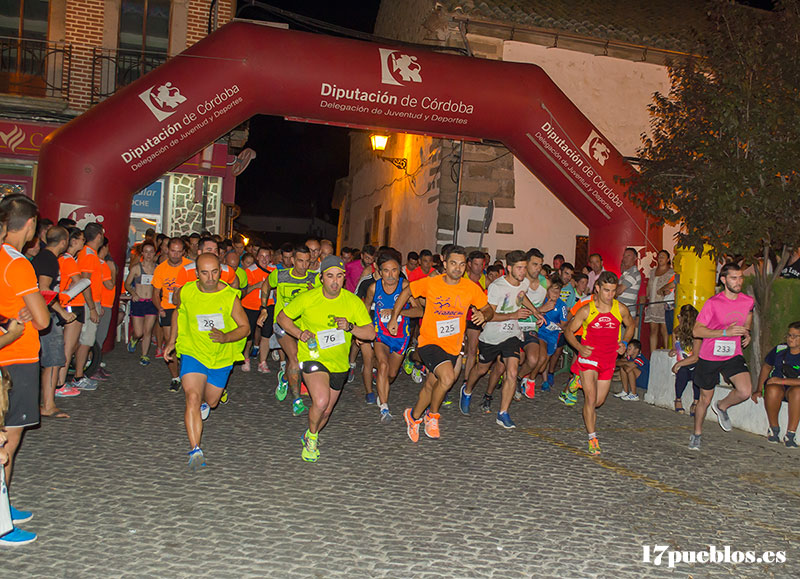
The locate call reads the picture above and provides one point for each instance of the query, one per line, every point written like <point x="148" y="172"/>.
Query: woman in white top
<point x="661" y="289"/>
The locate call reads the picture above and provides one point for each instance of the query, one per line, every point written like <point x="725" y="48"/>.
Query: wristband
<point x="624" y="342"/>
<point x="723" y="331"/>
<point x="350" y="327"/>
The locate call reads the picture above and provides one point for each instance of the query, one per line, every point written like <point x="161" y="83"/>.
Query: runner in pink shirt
<point x="355" y="269"/>
<point x="724" y="325"/>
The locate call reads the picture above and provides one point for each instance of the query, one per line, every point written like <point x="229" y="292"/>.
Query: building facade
<point x="609" y="62"/>
<point x="60" y="57"/>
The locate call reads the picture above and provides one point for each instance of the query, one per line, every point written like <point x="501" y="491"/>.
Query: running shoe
<point x="254" y="352"/>
<point x="446" y="400"/>
<point x="132" y="345"/>
<point x="386" y="417"/>
<point x="310" y="451"/>
<point x="632" y="397"/>
<point x="517" y="394"/>
<point x="196" y="459"/>
<point x="17" y="537"/>
<point x="276" y="355"/>
<point x="504" y="420"/>
<point x="547" y="384"/>
<point x="246" y="365"/>
<point x="463" y="401"/>
<point x="144" y="360"/>
<point x="175" y="385"/>
<point x="408" y="365"/>
<point x="774" y="434"/>
<point x="621" y="394"/>
<point x="416" y="375"/>
<point x="84" y="383"/>
<point x="486" y="405"/>
<point x="159" y="352"/>
<point x="67" y="391"/>
<point x="568" y="398"/>
<point x="351" y="375"/>
<point x="370" y="398"/>
<point x="303" y="390"/>
<point x="283" y="386"/>
<point x="298" y="407"/>
<point x="594" y="446"/>
<point x="789" y="440"/>
<point x="101" y="375"/>
<point x="18" y="516"/>
<point x="694" y="442"/>
<point x="374" y="376"/>
<point x="432" y="425"/>
<point x="205" y="410"/>
<point x="528" y="388"/>
<point x="263" y="368"/>
<point x="722" y="417"/>
<point x="575" y="384"/>
<point x="224" y="398"/>
<point x="412" y="426"/>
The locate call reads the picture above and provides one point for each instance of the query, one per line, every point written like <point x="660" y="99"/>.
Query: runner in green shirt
<point x="324" y="320"/>
<point x="208" y="334"/>
<point x="288" y="284"/>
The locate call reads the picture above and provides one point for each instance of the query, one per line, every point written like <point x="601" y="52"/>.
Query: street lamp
<point x="378" y="142"/>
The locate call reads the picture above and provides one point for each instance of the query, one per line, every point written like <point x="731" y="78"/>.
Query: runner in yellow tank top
<point x="208" y="333"/>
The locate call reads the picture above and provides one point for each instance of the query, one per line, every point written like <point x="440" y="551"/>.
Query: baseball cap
<point x="331" y="261"/>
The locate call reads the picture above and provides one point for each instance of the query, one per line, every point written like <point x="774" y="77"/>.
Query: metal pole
<point x="458" y="194"/>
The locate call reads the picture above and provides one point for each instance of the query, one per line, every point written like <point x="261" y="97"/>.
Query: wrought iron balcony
<point x="35" y="68"/>
<point x="112" y="69"/>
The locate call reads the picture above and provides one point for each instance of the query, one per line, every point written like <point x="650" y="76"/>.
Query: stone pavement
<point x="112" y="496"/>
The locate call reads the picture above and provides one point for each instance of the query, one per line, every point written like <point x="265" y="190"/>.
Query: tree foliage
<point x="724" y="150"/>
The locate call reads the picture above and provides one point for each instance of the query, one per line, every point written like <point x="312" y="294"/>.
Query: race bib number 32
<point x="446" y="328"/>
<point x="724" y="347"/>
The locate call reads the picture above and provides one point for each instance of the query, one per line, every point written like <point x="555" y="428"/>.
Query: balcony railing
<point x="35" y="68"/>
<point x="112" y="69"/>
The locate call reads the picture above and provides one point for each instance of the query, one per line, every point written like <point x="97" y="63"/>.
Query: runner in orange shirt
<point x="448" y="299"/>
<point x="189" y="271"/>
<point x="89" y="265"/>
<point x="165" y="282"/>
<point x="252" y="298"/>
<point x="20" y="300"/>
<point x="70" y="275"/>
<point x="108" y="295"/>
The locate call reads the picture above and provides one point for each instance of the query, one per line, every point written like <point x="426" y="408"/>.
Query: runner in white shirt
<point x="501" y="339"/>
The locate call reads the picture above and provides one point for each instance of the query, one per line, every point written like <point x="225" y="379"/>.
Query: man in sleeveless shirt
<point x="208" y="333"/>
<point x="602" y="319"/>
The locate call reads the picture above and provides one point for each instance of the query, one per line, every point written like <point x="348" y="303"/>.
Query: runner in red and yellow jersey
<point x="602" y="319"/>
<point x="165" y="282"/>
<point x="448" y="299"/>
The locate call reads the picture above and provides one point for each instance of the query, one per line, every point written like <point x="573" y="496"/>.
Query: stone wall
<point x="184" y="216"/>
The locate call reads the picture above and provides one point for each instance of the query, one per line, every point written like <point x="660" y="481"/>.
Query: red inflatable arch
<point x="103" y="157"/>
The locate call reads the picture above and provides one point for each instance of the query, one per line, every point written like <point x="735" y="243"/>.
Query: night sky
<point x="297" y="164"/>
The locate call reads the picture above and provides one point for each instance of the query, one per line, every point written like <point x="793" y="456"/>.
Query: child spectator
<point x="685" y="350"/>
<point x="779" y="380"/>
<point x="634" y="371"/>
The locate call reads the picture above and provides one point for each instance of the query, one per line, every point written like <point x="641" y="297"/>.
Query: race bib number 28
<point x="446" y="328"/>
<point x="208" y="322"/>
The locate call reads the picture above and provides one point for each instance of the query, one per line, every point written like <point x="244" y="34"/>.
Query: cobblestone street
<point x="112" y="496"/>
